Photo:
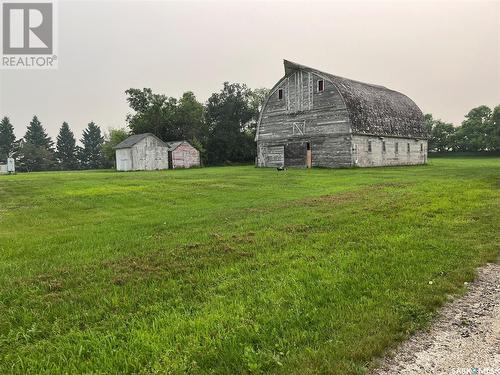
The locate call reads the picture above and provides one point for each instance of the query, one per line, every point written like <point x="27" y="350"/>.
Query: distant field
<point x="235" y="270"/>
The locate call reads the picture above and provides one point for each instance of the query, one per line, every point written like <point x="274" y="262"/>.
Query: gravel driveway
<point x="465" y="338"/>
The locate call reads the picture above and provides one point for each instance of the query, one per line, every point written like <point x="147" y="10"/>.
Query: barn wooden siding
<point x="322" y="121"/>
<point x="304" y="115"/>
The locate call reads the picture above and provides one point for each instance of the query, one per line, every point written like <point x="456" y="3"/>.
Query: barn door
<point x="296" y="154"/>
<point x="309" y="155"/>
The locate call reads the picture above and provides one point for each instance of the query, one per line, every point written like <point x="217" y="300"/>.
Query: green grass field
<point x="235" y="270"/>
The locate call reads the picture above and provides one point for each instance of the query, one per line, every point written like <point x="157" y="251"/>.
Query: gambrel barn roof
<point x="374" y="110"/>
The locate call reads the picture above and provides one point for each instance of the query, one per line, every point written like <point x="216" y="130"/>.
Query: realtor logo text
<point x="28" y="35"/>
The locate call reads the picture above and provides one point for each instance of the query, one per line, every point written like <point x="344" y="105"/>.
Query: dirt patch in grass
<point x="297" y="228"/>
<point x="248" y="237"/>
<point x="331" y="199"/>
<point x="345" y="197"/>
<point x="183" y="261"/>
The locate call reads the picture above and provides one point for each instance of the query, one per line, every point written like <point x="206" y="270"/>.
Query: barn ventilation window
<point x="369" y="146"/>
<point x="396" y="147"/>
<point x="383" y="146"/>
<point x="408" y="147"/>
<point x="280" y="94"/>
<point x="321" y="85"/>
<point x="421" y="147"/>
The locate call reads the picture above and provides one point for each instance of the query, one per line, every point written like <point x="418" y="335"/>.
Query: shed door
<point x="170" y="160"/>
<point x="296" y="155"/>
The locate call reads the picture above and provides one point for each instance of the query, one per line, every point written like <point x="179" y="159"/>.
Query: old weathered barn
<point x="141" y="152"/>
<point x="315" y="119"/>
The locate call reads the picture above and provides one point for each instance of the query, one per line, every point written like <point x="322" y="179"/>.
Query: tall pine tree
<point x="66" y="148"/>
<point x="7" y="139"/>
<point x="91" y="155"/>
<point x="36" y="135"/>
<point x="36" y="152"/>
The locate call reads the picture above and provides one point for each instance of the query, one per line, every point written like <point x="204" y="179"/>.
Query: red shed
<point x="182" y="155"/>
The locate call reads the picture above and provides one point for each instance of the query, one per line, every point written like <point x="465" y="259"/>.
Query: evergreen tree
<point x="36" y="135"/>
<point x="66" y="148"/>
<point x="91" y="156"/>
<point x="7" y="139"/>
<point x="34" y="158"/>
<point x="36" y="152"/>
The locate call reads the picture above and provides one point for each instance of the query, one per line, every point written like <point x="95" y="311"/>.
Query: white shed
<point x="142" y="152"/>
<point x="8" y="168"/>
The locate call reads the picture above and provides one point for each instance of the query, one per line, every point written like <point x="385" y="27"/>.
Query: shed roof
<point x="374" y="109"/>
<point x="134" y="139"/>
<point x="174" y="144"/>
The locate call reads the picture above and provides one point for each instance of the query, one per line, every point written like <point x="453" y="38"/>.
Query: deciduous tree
<point x="231" y="118"/>
<point x="111" y="139"/>
<point x="473" y="133"/>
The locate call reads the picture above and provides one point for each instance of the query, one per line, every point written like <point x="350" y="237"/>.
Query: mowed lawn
<point x="236" y="269"/>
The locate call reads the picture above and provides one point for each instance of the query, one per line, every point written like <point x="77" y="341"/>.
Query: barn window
<point x="408" y="147"/>
<point x="396" y="147"/>
<point x="321" y="85"/>
<point x="369" y="146"/>
<point x="421" y="147"/>
<point x="280" y="94"/>
<point x="383" y="146"/>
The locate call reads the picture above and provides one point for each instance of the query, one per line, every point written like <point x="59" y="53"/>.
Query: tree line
<point x="222" y="129"/>
<point x="36" y="151"/>
<point x="480" y="131"/>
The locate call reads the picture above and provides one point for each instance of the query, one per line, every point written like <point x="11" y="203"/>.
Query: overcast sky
<point x="445" y="55"/>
